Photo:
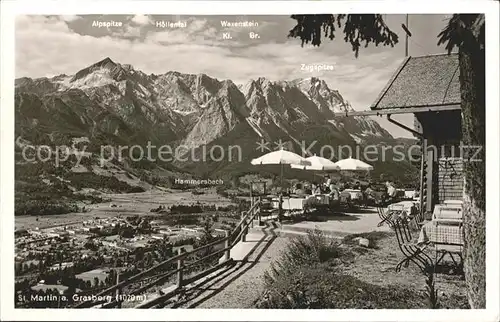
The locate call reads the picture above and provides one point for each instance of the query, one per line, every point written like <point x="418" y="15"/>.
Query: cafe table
<point x="445" y="235"/>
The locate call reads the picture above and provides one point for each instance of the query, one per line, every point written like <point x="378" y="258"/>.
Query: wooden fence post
<point x="252" y="218"/>
<point x="179" y="267"/>
<point x="226" y="245"/>
<point x="280" y="206"/>
<point x="244" y="230"/>
<point x="251" y="195"/>
<point x="259" y="216"/>
<point x="118" y="290"/>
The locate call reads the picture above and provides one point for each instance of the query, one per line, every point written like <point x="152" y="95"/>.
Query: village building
<point x="63" y="265"/>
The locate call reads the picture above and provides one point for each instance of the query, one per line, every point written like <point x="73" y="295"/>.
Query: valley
<point x="131" y="204"/>
<point x="109" y="104"/>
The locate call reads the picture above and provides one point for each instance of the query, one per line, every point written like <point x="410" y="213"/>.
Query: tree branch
<point x="357" y="29"/>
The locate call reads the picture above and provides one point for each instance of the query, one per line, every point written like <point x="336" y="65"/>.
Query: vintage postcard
<point x="302" y="161"/>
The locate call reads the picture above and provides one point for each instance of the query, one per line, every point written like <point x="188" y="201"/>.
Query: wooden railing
<point x="162" y="272"/>
<point x="246" y="222"/>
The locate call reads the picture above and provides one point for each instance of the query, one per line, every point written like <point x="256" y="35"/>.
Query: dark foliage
<point x="90" y="180"/>
<point x="42" y="207"/>
<point x="358" y="29"/>
<point x="461" y="29"/>
<point x="34" y="197"/>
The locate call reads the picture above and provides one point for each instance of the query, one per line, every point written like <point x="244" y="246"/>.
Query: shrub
<point x="431" y="292"/>
<point x="186" y="209"/>
<point x="314" y="248"/>
<point x="135" y="189"/>
<point x="308" y="276"/>
<point x="221" y="191"/>
<point x="321" y="286"/>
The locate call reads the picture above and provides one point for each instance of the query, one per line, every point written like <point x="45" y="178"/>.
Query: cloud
<point x="193" y="50"/>
<point x="47" y="46"/>
<point x="197" y="31"/>
<point x="141" y="19"/>
<point x="126" y="31"/>
<point x="70" y="18"/>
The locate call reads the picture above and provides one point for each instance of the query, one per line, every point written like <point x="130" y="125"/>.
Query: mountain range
<point x="109" y="103"/>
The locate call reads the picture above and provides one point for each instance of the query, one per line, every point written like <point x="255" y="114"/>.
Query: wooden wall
<point x="443" y="179"/>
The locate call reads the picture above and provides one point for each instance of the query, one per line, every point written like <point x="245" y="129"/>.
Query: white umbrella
<point x="280" y="157"/>
<point x="317" y="163"/>
<point x="353" y="164"/>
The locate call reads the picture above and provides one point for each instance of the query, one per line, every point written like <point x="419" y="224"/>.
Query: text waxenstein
<point x="225" y="23"/>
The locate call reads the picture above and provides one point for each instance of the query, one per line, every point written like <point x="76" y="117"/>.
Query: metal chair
<point x="385" y="215"/>
<point x="408" y="246"/>
<point x="419" y="219"/>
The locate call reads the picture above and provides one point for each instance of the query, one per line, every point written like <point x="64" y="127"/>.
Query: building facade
<point x="429" y="88"/>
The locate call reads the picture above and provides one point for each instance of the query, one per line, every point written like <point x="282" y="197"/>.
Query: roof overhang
<point x="400" y="110"/>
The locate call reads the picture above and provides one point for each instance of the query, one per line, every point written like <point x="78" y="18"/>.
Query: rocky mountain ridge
<point x="113" y="103"/>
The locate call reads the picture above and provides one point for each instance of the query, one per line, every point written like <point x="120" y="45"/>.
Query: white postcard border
<point x="10" y="9"/>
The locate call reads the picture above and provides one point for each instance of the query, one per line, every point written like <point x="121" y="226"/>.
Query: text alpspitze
<point x="106" y="24"/>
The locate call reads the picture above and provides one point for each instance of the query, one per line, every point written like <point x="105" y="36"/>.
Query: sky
<point x="47" y="46"/>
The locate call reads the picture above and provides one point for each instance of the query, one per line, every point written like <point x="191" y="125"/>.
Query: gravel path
<point x="243" y="284"/>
